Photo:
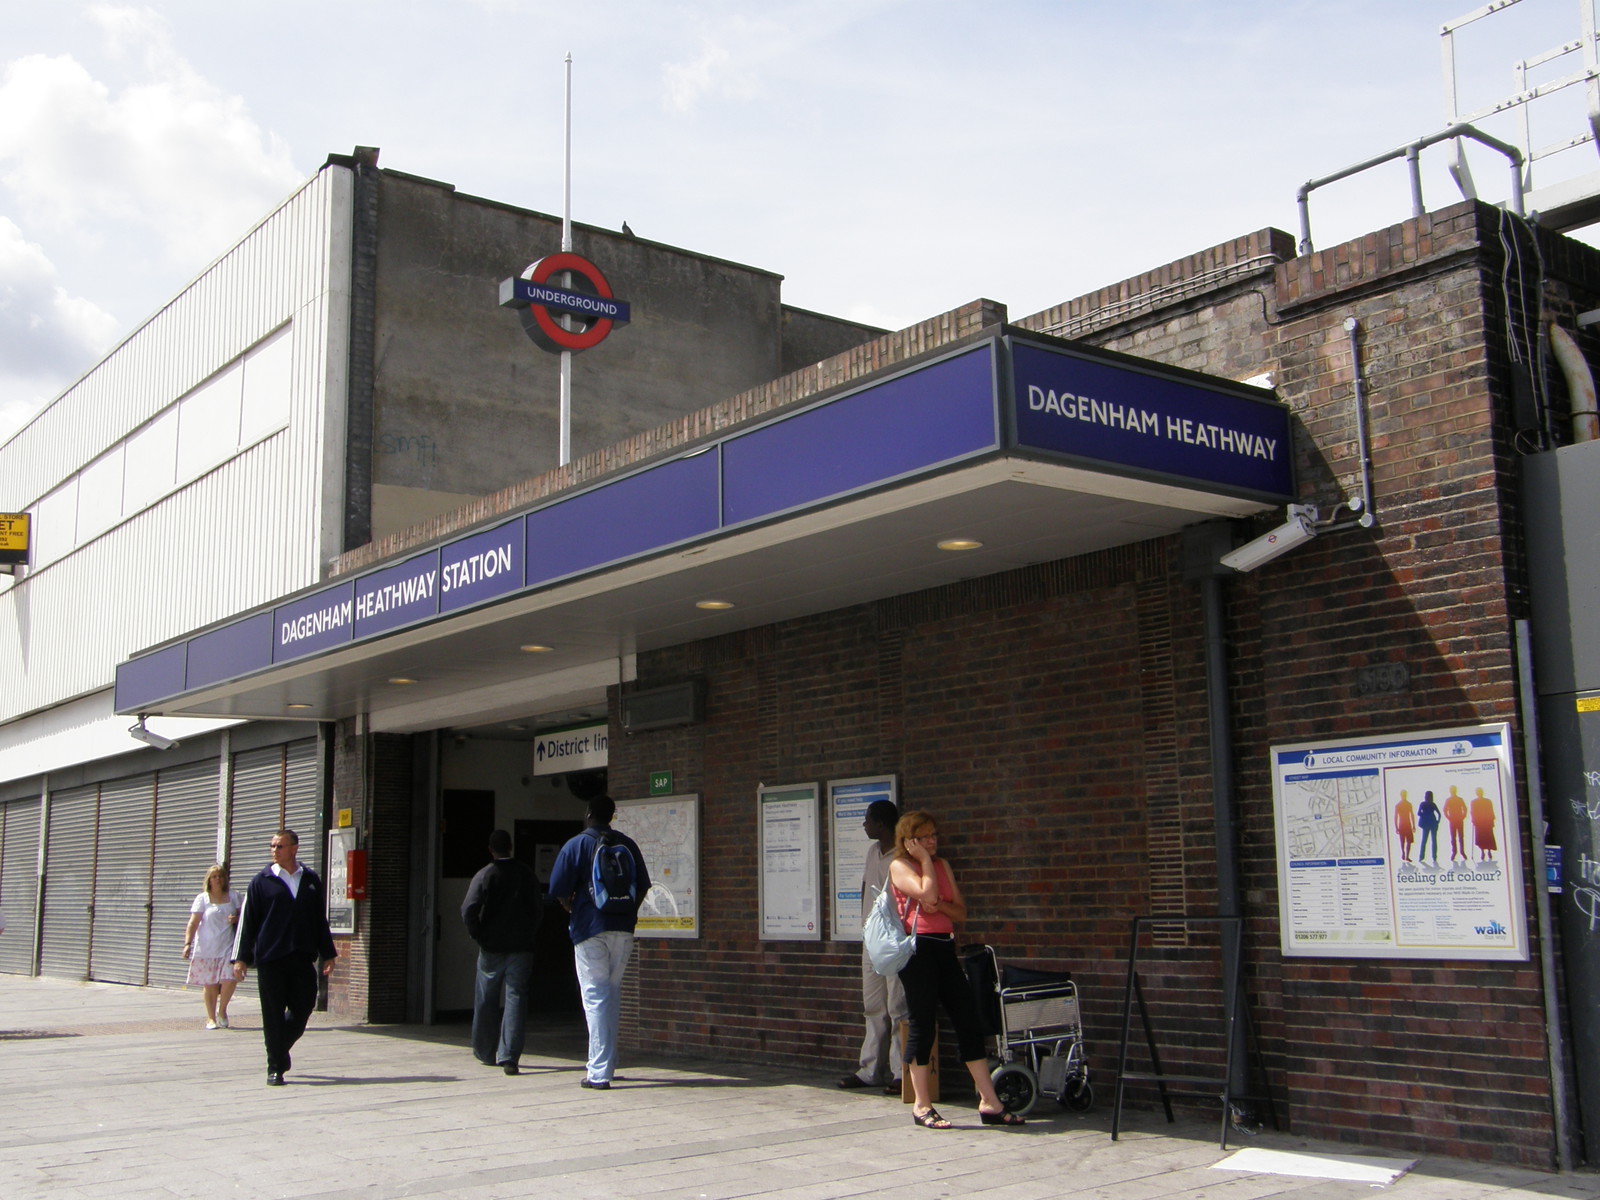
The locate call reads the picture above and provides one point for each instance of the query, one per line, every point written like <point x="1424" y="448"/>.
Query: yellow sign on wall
<point x="14" y="537"/>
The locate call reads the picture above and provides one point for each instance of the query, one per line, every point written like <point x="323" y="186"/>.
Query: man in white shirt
<point x="883" y="1001"/>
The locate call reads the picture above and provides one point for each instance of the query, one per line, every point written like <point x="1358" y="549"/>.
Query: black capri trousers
<point x="933" y="977"/>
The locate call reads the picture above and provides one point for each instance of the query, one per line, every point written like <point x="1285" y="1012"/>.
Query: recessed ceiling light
<point x="713" y="605"/>
<point x="517" y="728"/>
<point x="534" y="648"/>
<point x="960" y="544"/>
<point x="297" y="706"/>
<point x="401" y="679"/>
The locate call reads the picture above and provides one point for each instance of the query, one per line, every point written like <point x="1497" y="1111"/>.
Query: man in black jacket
<point x="283" y="931"/>
<point x="502" y="911"/>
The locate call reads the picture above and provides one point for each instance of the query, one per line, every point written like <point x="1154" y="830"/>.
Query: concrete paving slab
<point x="118" y="1092"/>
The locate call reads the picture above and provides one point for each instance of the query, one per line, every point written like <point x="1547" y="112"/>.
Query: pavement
<point x="115" y="1091"/>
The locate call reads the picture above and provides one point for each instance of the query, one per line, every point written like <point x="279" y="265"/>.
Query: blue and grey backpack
<point x="613" y="878"/>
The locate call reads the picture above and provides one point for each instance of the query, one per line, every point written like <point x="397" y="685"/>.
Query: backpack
<point x="613" y="879"/>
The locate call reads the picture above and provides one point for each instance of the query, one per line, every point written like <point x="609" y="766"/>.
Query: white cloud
<point x="47" y="335"/>
<point x="166" y="154"/>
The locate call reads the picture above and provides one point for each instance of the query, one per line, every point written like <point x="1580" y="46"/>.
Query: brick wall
<point x="1054" y="718"/>
<point x="1035" y="713"/>
<point x="372" y="776"/>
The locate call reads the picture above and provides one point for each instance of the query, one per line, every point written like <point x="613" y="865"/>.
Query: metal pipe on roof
<point x="1410" y="152"/>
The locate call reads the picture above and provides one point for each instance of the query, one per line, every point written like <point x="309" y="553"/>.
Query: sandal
<point x="931" y="1120"/>
<point x="1003" y="1117"/>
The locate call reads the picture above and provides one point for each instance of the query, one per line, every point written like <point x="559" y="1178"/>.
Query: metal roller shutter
<point x="186" y="847"/>
<point x="303" y="799"/>
<point x="69" y="883"/>
<point x="121" y="945"/>
<point x="257" y="810"/>
<point x="19" y="883"/>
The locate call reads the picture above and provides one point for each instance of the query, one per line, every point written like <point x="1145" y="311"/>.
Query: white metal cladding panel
<point x="234" y="539"/>
<point x="238" y="537"/>
<point x="69" y="883"/>
<point x="278" y="269"/>
<point x="186" y="847"/>
<point x="122" y="880"/>
<point x="19" y="883"/>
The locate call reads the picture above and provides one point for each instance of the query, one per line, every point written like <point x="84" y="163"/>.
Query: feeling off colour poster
<point x="1402" y="846"/>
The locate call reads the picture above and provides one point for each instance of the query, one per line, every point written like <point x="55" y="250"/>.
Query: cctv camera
<point x="150" y="737"/>
<point x="1301" y="526"/>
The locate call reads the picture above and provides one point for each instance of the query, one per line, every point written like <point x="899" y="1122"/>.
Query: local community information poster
<point x="1402" y="846"/>
<point x="667" y="829"/>
<point x="790" y="875"/>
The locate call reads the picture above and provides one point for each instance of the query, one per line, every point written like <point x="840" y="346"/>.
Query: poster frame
<point x="792" y="924"/>
<point x="844" y="917"/>
<point x="1414" y="757"/>
<point x="341" y="909"/>
<point x="691" y="802"/>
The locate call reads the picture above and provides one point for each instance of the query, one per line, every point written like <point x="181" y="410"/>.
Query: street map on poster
<point x="1403" y="846"/>
<point x="790" y="878"/>
<point x="847" y="847"/>
<point x="667" y="829"/>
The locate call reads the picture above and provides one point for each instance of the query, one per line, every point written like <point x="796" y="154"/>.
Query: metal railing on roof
<point x="1412" y="153"/>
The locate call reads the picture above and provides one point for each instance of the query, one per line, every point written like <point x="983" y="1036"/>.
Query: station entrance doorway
<point x="487" y="780"/>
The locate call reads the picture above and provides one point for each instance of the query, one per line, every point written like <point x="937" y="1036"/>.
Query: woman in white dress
<point x="208" y="944"/>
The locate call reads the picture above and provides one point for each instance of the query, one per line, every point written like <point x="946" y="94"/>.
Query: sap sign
<point x="1114" y="411"/>
<point x="562" y="750"/>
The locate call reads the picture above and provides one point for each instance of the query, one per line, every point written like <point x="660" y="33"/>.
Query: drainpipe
<point x="1203" y="547"/>
<point x="1580" y="383"/>
<point x="1220" y="725"/>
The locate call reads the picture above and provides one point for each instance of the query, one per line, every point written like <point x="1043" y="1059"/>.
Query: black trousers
<point x="288" y="988"/>
<point x="933" y="978"/>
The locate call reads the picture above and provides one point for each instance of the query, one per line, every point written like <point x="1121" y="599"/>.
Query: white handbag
<point x="888" y="944"/>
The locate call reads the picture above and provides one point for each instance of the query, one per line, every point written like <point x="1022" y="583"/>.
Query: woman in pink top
<point x="931" y="906"/>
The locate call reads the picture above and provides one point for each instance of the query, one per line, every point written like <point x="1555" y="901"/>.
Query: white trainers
<point x="223" y="1022"/>
<point x="211" y="1024"/>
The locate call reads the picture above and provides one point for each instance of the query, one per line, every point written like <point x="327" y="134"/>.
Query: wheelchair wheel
<point x="1017" y="1086"/>
<point x="1078" y="1096"/>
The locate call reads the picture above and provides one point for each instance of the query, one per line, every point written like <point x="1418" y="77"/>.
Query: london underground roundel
<point x="565" y="302"/>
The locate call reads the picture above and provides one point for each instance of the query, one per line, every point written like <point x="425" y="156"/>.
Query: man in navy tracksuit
<point x="283" y="931"/>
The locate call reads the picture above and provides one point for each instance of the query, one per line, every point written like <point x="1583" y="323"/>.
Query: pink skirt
<point x="207" y="972"/>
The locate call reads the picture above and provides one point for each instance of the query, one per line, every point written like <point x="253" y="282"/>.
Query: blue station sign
<point x="1104" y="412"/>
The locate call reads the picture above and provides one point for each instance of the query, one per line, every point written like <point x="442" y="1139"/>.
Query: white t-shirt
<point x="214" y="938"/>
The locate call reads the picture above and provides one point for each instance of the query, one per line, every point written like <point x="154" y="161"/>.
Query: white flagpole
<point x="566" y="247"/>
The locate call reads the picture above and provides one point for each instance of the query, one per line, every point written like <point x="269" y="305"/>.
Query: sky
<point x="892" y="159"/>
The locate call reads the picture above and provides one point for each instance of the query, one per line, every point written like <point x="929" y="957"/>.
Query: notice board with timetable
<point x="789" y="860"/>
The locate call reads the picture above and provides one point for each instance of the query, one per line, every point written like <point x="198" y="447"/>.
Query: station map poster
<point x="790" y="875"/>
<point x="847" y="847"/>
<point x="1401" y="846"/>
<point x="667" y="830"/>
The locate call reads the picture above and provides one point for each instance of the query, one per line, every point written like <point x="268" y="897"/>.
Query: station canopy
<point x="1003" y="451"/>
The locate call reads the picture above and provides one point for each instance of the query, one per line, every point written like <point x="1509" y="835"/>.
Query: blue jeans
<point x="497" y="1031"/>
<point x="601" y="961"/>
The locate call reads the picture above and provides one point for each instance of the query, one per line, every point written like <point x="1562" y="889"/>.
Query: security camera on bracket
<point x="149" y="737"/>
<point x="1300" y="527"/>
